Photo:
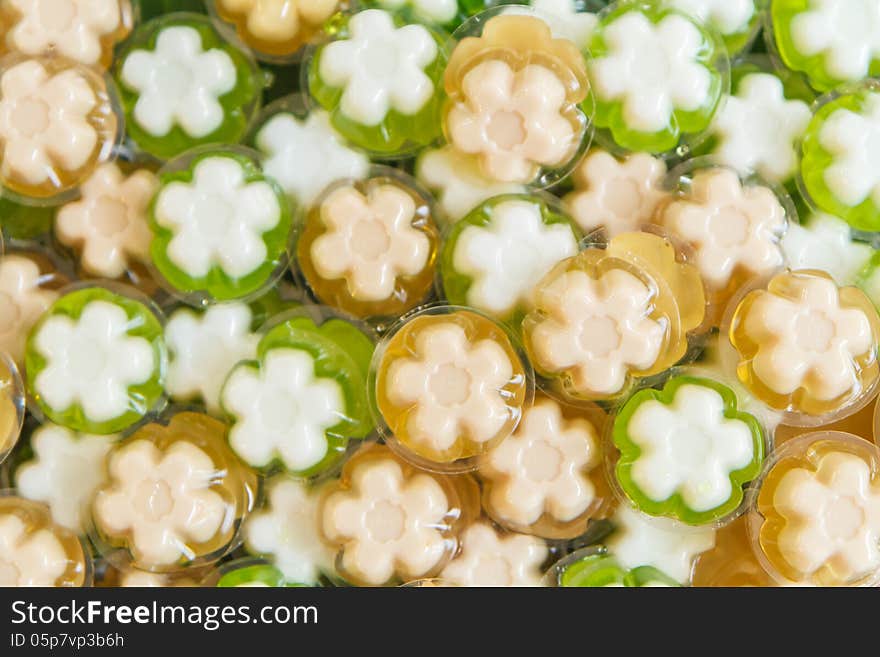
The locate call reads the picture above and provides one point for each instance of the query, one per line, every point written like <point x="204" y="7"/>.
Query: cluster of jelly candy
<point x="439" y="292"/>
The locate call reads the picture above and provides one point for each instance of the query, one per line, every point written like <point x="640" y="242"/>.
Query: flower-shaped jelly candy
<point x="737" y="21"/>
<point x="380" y="81"/>
<point x="686" y="452"/>
<point x="671" y="548"/>
<point x="546" y="479"/>
<point x="65" y="472"/>
<point x="182" y="85"/>
<point x="392" y="522"/>
<point x="818" y="512"/>
<point x="34" y="551"/>
<point x="493" y="258"/>
<point x="805" y="346"/>
<point x="597" y="329"/>
<point x="304" y="399"/>
<point x="291" y="144"/>
<point x="96" y="361"/>
<point x="203" y="350"/>
<point x="607" y="317"/>
<point x="84" y="31"/>
<point x="598" y="570"/>
<point x="513" y="100"/>
<point x="488" y="558"/>
<point x="108" y="224"/>
<point x="221" y="228"/>
<point x="733" y="229"/>
<point x="758" y="128"/>
<point x="24" y="297"/>
<point x="657" y="76"/>
<point x="450" y="385"/>
<point x="174" y="496"/>
<point x="831" y="41"/>
<point x="287" y="532"/>
<point x="616" y="196"/>
<point x="840" y="168"/>
<point x="56" y="125"/>
<point x="370" y="249"/>
<point x="277" y="28"/>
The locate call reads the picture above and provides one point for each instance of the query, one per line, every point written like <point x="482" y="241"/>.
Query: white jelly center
<point x="843" y="518"/>
<point x="214" y="217"/>
<point x="87" y="359"/>
<point x="152" y="500"/>
<point x="519" y="259"/>
<point x="71" y="478"/>
<point x="174" y="81"/>
<point x="370" y="239"/>
<point x="381" y="58"/>
<point x="507" y="129"/>
<point x="623" y="197"/>
<point x="207" y="347"/>
<point x="730" y="227"/>
<point x="542" y="462"/>
<point x="600" y="336"/>
<point x="450" y="385"/>
<point x="385" y="522"/>
<point x="278" y="411"/>
<point x="656" y="68"/>
<point x="692" y="449"/>
<point x="31" y="117"/>
<point x="814" y="331"/>
<point x="109" y="216"/>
